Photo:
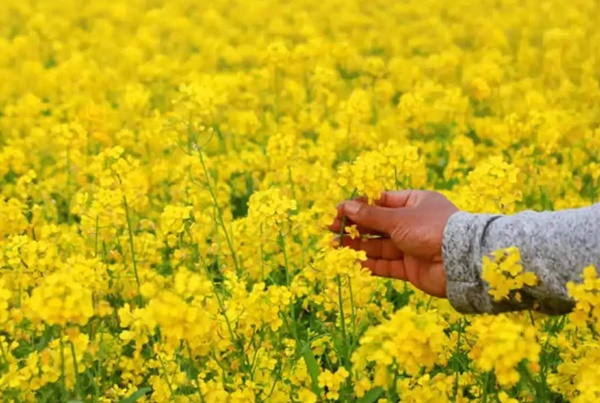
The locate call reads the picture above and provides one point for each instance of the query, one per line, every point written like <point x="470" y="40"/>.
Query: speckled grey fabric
<point x="556" y="246"/>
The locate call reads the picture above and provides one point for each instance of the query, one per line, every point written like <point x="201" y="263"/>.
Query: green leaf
<point x="135" y="396"/>
<point x="313" y="368"/>
<point x="372" y="395"/>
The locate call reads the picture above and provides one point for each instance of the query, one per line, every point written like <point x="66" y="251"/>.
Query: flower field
<point x="168" y="169"/>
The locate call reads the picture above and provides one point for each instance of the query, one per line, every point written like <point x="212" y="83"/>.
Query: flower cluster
<point x="390" y="166"/>
<point x="408" y="342"/>
<point x="501" y="344"/>
<point x="504" y="273"/>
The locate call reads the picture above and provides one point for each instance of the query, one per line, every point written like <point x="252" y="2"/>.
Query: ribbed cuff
<point x="462" y="257"/>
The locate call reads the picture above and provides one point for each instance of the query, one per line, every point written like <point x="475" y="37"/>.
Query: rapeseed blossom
<point x="504" y="274"/>
<point x="501" y="344"/>
<point x="408" y="342"/>
<point x="167" y="169"/>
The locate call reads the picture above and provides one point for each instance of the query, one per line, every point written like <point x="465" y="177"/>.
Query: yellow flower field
<point x="168" y="169"/>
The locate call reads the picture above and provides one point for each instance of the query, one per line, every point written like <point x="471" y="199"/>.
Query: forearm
<point x="556" y="246"/>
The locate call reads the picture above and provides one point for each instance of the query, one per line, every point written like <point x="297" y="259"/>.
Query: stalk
<point x="220" y="219"/>
<point x="133" y="259"/>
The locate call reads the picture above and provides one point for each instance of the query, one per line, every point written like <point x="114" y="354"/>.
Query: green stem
<point x="189" y="350"/>
<point x="344" y="218"/>
<point x="76" y="369"/>
<point x="340" y="299"/>
<point x="354" y="337"/>
<point x="288" y="283"/>
<point x="69" y="185"/>
<point x="262" y="255"/>
<point x="98" y="363"/>
<point x="486" y="383"/>
<point x="162" y="365"/>
<point x="63" y="379"/>
<point x="456" y="352"/>
<point x="220" y="219"/>
<point x="343" y="321"/>
<point x="3" y="354"/>
<point x="133" y="259"/>
<point x="353" y="313"/>
<point x="236" y="341"/>
<point x="96" y="239"/>
<point x="289" y="169"/>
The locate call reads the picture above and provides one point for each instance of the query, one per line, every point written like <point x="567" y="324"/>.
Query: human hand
<point x="410" y="225"/>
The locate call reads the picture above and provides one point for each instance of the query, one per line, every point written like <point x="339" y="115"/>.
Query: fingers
<point x="395" y="199"/>
<point x="391" y="200"/>
<point x="374" y="248"/>
<point x="386" y="268"/>
<point x="336" y="227"/>
<point x="378" y="218"/>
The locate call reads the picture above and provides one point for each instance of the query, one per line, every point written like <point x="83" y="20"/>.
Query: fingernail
<point x="352" y="207"/>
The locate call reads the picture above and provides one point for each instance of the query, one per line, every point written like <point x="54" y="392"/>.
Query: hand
<point x="410" y="225"/>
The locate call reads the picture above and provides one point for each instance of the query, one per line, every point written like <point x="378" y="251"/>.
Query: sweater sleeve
<point x="556" y="246"/>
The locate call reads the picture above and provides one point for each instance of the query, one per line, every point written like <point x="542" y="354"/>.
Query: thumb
<point x="374" y="217"/>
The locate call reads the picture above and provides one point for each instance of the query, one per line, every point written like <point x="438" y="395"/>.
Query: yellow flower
<point x="409" y="340"/>
<point x="587" y="298"/>
<point x="60" y="299"/>
<point x="352" y="231"/>
<point x="306" y="395"/>
<point x="501" y="344"/>
<point x="332" y="381"/>
<point x="505" y="273"/>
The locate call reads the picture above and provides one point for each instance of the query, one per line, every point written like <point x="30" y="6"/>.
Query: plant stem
<point x="288" y="283"/>
<point x="343" y="320"/>
<point x="236" y="341"/>
<point x="162" y="365"/>
<point x="340" y="299"/>
<point x="220" y="219"/>
<point x="456" y="372"/>
<point x="133" y="259"/>
<point x="76" y="369"/>
<point x="189" y="350"/>
<point x="63" y="379"/>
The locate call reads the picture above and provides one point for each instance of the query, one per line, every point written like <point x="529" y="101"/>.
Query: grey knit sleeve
<point x="556" y="246"/>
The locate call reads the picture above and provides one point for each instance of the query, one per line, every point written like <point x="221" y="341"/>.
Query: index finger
<point x="388" y="198"/>
<point x="398" y="198"/>
<point x="336" y="225"/>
